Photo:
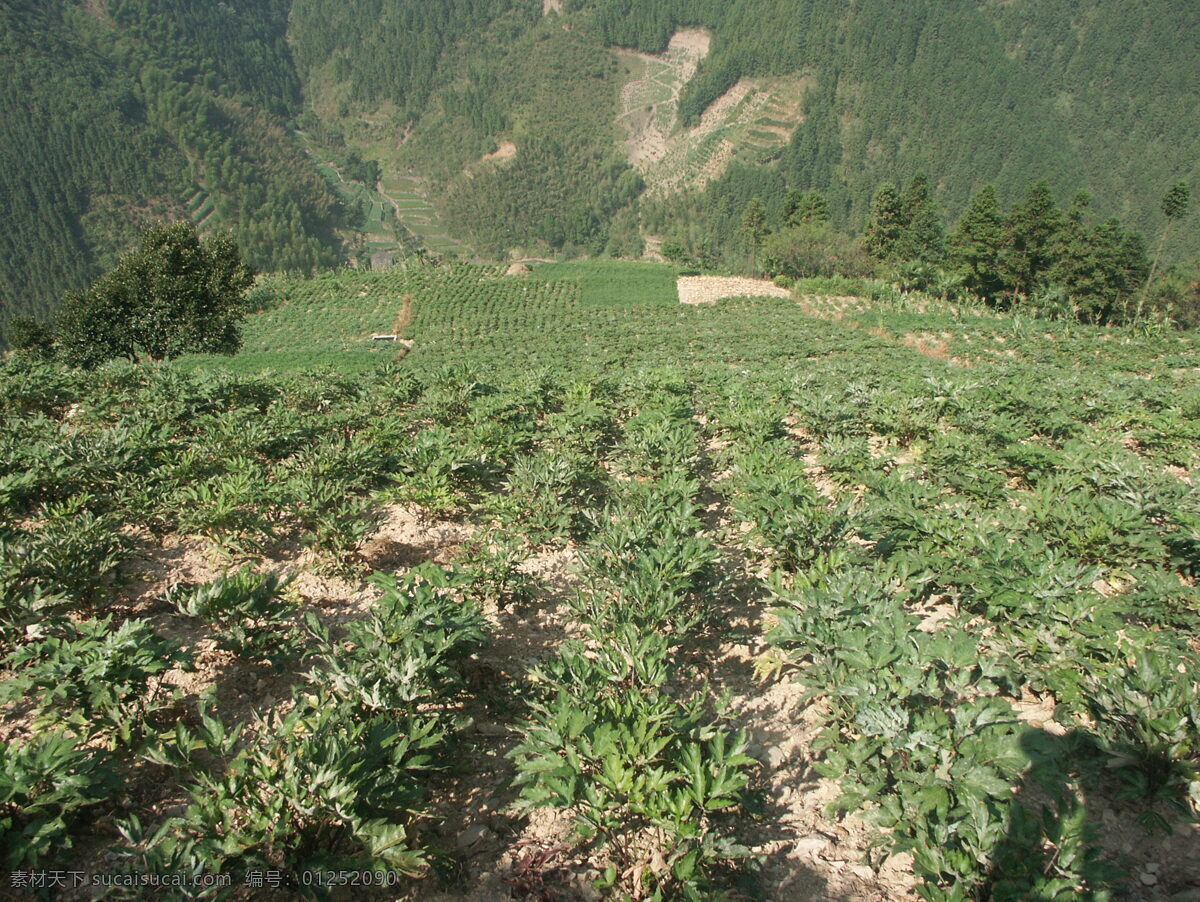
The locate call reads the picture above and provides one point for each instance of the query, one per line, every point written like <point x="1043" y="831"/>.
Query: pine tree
<point x="1032" y="239"/>
<point x="805" y="206"/>
<point x="1174" y="206"/>
<point x="754" y="224"/>
<point x="885" y="226"/>
<point x="977" y="244"/>
<point x="923" y="238"/>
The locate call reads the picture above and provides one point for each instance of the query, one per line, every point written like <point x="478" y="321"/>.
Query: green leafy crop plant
<point x="248" y="611"/>
<point x="647" y="774"/>
<point x="951" y="537"/>
<point x="45" y="783"/>
<point x="99" y="681"/>
<point x="338" y="781"/>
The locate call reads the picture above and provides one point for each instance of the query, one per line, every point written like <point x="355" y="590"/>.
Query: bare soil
<point x="649" y="129"/>
<point x="506" y="151"/>
<point x="710" y="289"/>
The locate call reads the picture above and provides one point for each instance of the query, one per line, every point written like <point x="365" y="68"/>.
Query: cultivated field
<point x="595" y="594"/>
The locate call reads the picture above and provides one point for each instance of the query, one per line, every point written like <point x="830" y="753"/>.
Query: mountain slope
<point x="516" y="120"/>
<point x="130" y="111"/>
<point x="1085" y="94"/>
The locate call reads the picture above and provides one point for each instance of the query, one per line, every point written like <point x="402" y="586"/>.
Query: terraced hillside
<point x="415" y="214"/>
<point x="397" y="216"/>
<point x="848" y="595"/>
<point x="752" y="121"/>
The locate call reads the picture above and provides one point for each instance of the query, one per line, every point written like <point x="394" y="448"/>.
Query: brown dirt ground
<point x="506" y="151"/>
<point x="710" y="289"/>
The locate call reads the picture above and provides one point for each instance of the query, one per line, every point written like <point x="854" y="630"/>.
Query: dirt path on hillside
<point x="404" y="317"/>
<point x="710" y="289"/>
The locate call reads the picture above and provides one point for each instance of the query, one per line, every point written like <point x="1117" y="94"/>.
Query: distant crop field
<point x="606" y="283"/>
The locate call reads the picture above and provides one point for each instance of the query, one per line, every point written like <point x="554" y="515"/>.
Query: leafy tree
<point x="674" y="252"/>
<point x="172" y="295"/>
<point x="754" y="224"/>
<point x="977" y="243"/>
<point x="29" y="336"/>
<point x="814" y="249"/>
<point x="1032" y="238"/>
<point x="885" y="227"/>
<point x="1174" y="206"/>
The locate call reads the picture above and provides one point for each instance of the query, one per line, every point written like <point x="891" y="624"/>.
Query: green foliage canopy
<point x="976" y="243"/>
<point x="176" y="293"/>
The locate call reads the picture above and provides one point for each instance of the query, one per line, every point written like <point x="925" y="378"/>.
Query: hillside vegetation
<point x="795" y="598"/>
<point x="972" y="93"/>
<point x="130" y="111"/>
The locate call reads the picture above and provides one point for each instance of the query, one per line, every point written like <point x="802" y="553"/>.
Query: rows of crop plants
<point x="651" y="774"/>
<point x="949" y="545"/>
<point x="98" y="469"/>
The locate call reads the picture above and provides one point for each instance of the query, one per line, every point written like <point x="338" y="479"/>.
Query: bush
<point x="814" y="249"/>
<point x="247" y="610"/>
<point x="1176" y="299"/>
<point x="97" y="680"/>
<point x="173" y="295"/>
<point x="30" y="336"/>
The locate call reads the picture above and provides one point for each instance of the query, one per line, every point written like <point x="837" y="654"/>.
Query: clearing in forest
<point x="752" y="120"/>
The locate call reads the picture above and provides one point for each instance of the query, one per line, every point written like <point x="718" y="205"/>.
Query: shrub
<point x="814" y="249"/>
<point x="32" y="337"/>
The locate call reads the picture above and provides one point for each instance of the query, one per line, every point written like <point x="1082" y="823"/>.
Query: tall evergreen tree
<point x="1032" y="238"/>
<point x="885" y="227"/>
<point x="1100" y="268"/>
<point x="1174" y="206"/>
<point x="1073" y="242"/>
<point x="977" y="243"/>
<point x="805" y="206"/>
<point x="923" y="237"/>
<point x="754" y="225"/>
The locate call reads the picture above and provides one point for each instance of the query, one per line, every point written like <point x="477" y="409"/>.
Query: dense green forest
<point x="126" y="112"/>
<point x="75" y="144"/>
<point x="566" y="181"/>
<point x="386" y="51"/>
<point x="1091" y="94"/>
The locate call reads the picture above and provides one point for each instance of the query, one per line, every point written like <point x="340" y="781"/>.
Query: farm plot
<point x="396" y="211"/>
<point x="415" y="214"/>
<point x="626" y="598"/>
<point x="710" y="289"/>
